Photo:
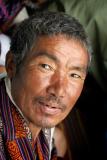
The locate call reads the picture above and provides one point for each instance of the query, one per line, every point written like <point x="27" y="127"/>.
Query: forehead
<point x="61" y="47"/>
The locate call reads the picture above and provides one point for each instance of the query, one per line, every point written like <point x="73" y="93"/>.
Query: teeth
<point x="49" y="106"/>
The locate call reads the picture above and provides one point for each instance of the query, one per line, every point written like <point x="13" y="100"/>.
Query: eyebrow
<point x="82" y="69"/>
<point x="50" y="56"/>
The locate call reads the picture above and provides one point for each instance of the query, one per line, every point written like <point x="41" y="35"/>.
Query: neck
<point x="34" y="130"/>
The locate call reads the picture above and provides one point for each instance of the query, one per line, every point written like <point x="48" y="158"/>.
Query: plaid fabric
<point x="15" y="137"/>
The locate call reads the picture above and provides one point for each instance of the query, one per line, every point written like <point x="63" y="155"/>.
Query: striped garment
<point x="15" y="137"/>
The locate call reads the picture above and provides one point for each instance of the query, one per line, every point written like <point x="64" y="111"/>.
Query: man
<point x="46" y="67"/>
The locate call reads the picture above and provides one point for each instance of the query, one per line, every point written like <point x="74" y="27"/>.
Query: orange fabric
<point x="13" y="150"/>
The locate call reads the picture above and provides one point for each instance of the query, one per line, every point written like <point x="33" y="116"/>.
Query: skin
<point x="49" y="81"/>
<point x="60" y="142"/>
<point x="2" y="69"/>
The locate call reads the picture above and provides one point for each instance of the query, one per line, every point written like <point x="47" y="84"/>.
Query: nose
<point x="58" y="86"/>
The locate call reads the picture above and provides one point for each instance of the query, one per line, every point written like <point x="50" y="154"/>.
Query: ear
<point x="10" y="65"/>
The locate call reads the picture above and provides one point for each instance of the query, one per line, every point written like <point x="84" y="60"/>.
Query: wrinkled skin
<point x="49" y="81"/>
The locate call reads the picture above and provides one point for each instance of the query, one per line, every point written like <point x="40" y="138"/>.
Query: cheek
<point x="37" y="82"/>
<point x="73" y="94"/>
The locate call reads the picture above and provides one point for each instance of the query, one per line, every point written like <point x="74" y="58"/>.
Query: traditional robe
<point x="15" y="136"/>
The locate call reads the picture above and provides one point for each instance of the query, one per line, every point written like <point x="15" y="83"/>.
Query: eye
<point x="76" y="76"/>
<point x="45" y="66"/>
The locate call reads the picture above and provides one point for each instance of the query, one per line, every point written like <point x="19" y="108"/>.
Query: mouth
<point x="49" y="108"/>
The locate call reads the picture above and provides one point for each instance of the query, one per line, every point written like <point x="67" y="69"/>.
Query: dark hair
<point x="49" y="24"/>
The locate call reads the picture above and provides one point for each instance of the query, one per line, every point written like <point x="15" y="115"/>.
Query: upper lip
<point x="50" y="105"/>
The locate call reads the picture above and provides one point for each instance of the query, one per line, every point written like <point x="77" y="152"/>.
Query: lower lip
<point x="48" y="110"/>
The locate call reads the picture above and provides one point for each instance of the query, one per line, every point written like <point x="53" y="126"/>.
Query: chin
<point x="46" y="123"/>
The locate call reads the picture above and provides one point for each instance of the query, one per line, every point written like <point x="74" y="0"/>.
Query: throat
<point x="34" y="130"/>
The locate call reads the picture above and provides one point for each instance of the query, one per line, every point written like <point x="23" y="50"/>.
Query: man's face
<point x="50" y="80"/>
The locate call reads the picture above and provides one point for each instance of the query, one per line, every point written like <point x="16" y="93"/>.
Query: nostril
<point x="55" y="97"/>
<point x="56" y="90"/>
<point x="53" y="94"/>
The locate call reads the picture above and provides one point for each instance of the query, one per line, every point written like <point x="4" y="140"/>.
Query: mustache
<point x="50" y="99"/>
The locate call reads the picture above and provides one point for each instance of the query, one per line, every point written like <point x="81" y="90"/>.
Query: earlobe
<point x="10" y="65"/>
